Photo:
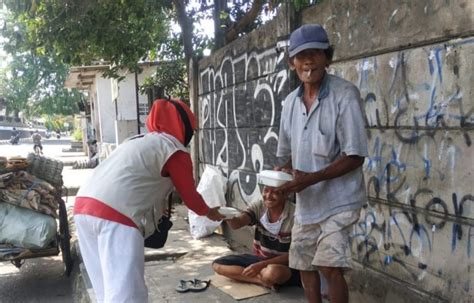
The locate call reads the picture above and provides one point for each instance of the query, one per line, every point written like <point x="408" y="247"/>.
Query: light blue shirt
<point x="334" y="125"/>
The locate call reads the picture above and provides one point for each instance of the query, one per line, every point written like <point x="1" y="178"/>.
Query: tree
<point x="232" y="19"/>
<point x="34" y="84"/>
<point x="120" y="33"/>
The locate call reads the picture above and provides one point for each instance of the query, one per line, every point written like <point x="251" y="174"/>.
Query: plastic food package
<point x="25" y="228"/>
<point x="229" y="212"/>
<point x="212" y="188"/>
<point x="273" y="178"/>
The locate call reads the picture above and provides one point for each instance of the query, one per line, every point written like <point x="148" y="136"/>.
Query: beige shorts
<point x="323" y="244"/>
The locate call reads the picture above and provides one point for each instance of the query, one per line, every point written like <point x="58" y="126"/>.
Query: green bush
<point x="77" y="135"/>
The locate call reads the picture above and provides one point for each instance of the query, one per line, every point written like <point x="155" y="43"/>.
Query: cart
<point x="49" y="170"/>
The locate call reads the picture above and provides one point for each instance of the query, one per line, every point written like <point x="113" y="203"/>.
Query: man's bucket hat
<point x="308" y="36"/>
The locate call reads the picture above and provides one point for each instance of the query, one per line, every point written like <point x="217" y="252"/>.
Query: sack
<point x="212" y="187"/>
<point x="25" y="227"/>
<point x="159" y="237"/>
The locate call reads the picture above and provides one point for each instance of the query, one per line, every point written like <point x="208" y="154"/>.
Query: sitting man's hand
<point x="253" y="269"/>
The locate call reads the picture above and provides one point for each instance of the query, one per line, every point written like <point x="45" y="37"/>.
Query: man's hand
<point x="283" y="169"/>
<point x="340" y="167"/>
<point x="301" y="180"/>
<point x="237" y="222"/>
<point x="214" y="214"/>
<point x="253" y="269"/>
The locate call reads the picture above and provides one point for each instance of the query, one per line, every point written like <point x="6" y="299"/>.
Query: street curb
<point x="22" y="140"/>
<point x="69" y="163"/>
<point x="82" y="286"/>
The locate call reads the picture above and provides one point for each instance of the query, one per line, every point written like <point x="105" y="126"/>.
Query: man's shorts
<point x="323" y="244"/>
<point x="248" y="259"/>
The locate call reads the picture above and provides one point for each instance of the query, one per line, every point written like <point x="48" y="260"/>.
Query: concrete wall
<point x="126" y="118"/>
<point x="412" y="61"/>
<point x="116" y="121"/>
<point x="419" y="221"/>
<point x="106" y="108"/>
<point x="95" y="125"/>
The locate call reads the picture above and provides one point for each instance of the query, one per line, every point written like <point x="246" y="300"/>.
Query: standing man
<point x="323" y="139"/>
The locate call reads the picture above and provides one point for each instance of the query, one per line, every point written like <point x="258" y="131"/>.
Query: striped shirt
<point x="265" y="244"/>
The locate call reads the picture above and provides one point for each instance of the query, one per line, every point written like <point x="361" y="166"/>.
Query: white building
<point x="114" y="110"/>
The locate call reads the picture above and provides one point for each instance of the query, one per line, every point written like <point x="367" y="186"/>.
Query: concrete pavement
<point x="186" y="258"/>
<point x="181" y="258"/>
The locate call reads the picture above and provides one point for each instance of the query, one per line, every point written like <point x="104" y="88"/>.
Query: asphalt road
<point x="39" y="279"/>
<point x="51" y="147"/>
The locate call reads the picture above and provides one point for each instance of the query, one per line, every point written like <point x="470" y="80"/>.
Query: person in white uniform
<point x="114" y="209"/>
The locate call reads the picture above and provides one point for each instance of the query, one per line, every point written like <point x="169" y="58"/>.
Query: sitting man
<point x="273" y="218"/>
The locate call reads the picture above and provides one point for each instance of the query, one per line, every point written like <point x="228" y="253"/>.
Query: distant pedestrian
<point x="37" y="146"/>
<point x="322" y="134"/>
<point x="114" y="209"/>
<point x="14" y="132"/>
<point x="15" y="136"/>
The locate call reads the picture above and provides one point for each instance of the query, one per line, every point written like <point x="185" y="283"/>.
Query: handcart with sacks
<point x="33" y="215"/>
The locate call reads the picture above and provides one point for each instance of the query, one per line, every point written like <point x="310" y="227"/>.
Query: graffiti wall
<point x="240" y="101"/>
<point x="240" y="123"/>
<point x="418" y="225"/>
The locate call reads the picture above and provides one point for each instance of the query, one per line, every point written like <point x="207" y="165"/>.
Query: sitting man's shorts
<point x="323" y="244"/>
<point x="248" y="259"/>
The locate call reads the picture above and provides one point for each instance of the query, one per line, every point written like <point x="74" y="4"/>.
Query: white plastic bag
<point x="212" y="188"/>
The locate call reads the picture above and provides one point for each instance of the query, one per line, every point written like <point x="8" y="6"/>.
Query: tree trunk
<point x="236" y="28"/>
<point x="219" y="32"/>
<point x="187" y="27"/>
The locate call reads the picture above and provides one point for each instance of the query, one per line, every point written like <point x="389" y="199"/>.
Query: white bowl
<point x="229" y="212"/>
<point x="273" y="178"/>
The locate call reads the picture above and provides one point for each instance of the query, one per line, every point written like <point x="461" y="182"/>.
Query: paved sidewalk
<point x="181" y="258"/>
<point x="186" y="258"/>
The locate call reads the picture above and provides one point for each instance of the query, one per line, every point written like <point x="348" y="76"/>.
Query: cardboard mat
<point x="237" y="290"/>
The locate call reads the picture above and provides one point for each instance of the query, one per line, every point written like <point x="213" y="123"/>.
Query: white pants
<point x="114" y="256"/>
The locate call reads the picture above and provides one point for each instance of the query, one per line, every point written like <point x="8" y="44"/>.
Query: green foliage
<point x="77" y="134"/>
<point x="171" y="73"/>
<point x="171" y="76"/>
<point x="301" y="4"/>
<point x="120" y="33"/>
<point x="298" y="4"/>
<point x="236" y="12"/>
<point x="33" y="84"/>
<point x="82" y="32"/>
<point x="53" y="123"/>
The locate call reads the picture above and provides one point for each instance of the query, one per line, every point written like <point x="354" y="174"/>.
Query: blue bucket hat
<point x="308" y="36"/>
